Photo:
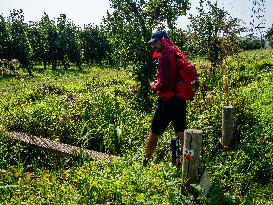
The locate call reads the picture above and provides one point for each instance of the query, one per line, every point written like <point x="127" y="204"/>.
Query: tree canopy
<point x="130" y="26"/>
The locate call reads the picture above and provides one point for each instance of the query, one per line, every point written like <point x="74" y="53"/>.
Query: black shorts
<point x="172" y="110"/>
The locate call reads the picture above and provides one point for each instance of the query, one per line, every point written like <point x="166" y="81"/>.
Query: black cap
<point x="158" y="35"/>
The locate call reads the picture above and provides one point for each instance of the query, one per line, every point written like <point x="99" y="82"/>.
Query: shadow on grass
<point x="217" y="196"/>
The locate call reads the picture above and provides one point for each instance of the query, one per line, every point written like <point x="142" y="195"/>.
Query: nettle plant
<point x="130" y="26"/>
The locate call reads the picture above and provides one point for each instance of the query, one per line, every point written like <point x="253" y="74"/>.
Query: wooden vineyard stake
<point x="228" y="140"/>
<point x="191" y="155"/>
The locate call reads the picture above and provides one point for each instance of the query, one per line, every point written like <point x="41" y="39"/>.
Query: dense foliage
<point x="18" y="44"/>
<point x="213" y="33"/>
<point x="99" y="108"/>
<point x="51" y="42"/>
<point x="251" y="43"/>
<point x="96" y="47"/>
<point x="96" y="109"/>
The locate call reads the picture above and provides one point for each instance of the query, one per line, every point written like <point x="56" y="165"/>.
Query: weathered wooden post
<point x="228" y="139"/>
<point x="191" y="155"/>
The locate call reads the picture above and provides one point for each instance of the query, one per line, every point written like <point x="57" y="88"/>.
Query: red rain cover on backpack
<point x="187" y="79"/>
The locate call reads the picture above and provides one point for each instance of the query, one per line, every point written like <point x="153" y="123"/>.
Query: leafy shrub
<point x="250" y="43"/>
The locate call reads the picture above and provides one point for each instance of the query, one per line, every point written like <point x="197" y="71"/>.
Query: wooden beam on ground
<point x="58" y="147"/>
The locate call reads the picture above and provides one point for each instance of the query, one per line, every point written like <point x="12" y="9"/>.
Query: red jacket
<point x="166" y="75"/>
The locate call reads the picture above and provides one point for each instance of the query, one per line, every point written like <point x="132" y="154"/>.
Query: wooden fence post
<point x="191" y="155"/>
<point x="227" y="127"/>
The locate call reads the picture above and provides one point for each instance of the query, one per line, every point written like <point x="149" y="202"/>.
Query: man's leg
<point x="151" y="145"/>
<point x="180" y="136"/>
<point x="179" y="120"/>
<point x="159" y="124"/>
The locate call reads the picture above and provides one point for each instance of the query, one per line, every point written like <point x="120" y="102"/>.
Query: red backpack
<point x="187" y="80"/>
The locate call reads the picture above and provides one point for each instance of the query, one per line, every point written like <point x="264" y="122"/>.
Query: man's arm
<point x="162" y="82"/>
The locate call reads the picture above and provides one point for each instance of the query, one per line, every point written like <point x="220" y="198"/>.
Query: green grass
<point x="75" y="108"/>
<point x="121" y="181"/>
<point x="98" y="109"/>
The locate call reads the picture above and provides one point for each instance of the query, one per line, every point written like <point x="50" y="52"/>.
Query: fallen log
<point x="59" y="148"/>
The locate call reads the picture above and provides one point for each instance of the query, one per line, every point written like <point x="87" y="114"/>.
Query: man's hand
<point x="153" y="85"/>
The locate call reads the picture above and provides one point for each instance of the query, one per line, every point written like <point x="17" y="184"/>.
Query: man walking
<point x="169" y="107"/>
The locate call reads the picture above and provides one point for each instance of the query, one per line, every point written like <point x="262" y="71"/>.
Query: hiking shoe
<point x="145" y="162"/>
